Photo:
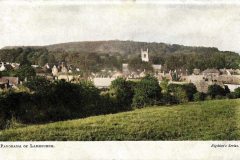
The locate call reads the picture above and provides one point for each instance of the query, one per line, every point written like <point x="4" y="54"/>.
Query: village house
<point x="8" y="82"/>
<point x="211" y="74"/>
<point x="6" y="67"/>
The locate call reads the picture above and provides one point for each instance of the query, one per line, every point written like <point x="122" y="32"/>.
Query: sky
<point x="190" y="23"/>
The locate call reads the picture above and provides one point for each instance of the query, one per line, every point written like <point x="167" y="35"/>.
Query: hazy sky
<point x="36" y="23"/>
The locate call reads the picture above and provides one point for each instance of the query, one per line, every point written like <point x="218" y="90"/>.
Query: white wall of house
<point x="102" y="82"/>
<point x="232" y="86"/>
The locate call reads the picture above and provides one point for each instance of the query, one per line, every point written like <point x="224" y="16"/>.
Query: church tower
<point x="144" y="55"/>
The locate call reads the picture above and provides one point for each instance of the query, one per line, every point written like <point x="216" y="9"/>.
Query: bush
<point x="182" y="93"/>
<point x="164" y="85"/>
<point x="199" y="96"/>
<point x="146" y="92"/>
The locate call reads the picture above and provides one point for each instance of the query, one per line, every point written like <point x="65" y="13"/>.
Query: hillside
<point x="120" y="47"/>
<point x="208" y="120"/>
<point x="95" y="56"/>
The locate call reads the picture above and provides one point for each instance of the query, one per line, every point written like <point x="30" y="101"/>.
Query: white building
<point x="2" y="68"/>
<point x="102" y="82"/>
<point x="157" y="67"/>
<point x="54" y="71"/>
<point x="232" y="87"/>
<point x="125" y="69"/>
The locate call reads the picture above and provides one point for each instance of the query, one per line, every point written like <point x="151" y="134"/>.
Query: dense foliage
<point x="42" y="101"/>
<point x="216" y="90"/>
<point x="53" y="102"/>
<point x="123" y="91"/>
<point x="147" y="92"/>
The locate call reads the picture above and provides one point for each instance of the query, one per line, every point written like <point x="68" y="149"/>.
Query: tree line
<point x="170" y="57"/>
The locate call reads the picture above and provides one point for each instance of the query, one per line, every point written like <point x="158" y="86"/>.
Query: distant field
<point x="209" y="120"/>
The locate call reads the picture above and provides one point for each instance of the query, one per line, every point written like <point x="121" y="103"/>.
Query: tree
<point x="136" y="64"/>
<point x="25" y="71"/>
<point x="216" y="90"/>
<point x="43" y="59"/>
<point x="146" y="92"/>
<point x="190" y="90"/>
<point x="237" y="92"/>
<point x="123" y="91"/>
<point x="226" y="89"/>
<point x="182" y="93"/>
<point x="38" y="84"/>
<point x="164" y="85"/>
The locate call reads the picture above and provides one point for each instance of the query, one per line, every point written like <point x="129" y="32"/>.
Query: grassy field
<point x="209" y="120"/>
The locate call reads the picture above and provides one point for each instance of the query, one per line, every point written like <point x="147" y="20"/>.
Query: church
<point x="144" y="58"/>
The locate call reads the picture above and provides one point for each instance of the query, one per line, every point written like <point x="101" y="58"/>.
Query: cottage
<point x="4" y="83"/>
<point x="13" y="81"/>
<point x="157" y="68"/>
<point x="117" y="75"/>
<point x="196" y="71"/>
<point x="125" y="69"/>
<point x="55" y="71"/>
<point x="211" y="74"/>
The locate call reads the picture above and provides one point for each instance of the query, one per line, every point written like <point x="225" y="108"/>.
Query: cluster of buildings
<point x="103" y="79"/>
<point x="201" y="79"/>
<point x="8" y="82"/>
<point x="8" y="66"/>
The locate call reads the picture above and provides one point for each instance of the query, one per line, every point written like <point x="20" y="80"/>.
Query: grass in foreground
<point x="209" y="120"/>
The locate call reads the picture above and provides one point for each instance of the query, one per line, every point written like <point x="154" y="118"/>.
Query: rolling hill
<point x="208" y="120"/>
<point x="120" y="47"/>
<point x="111" y="54"/>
